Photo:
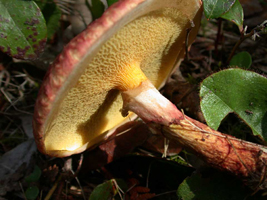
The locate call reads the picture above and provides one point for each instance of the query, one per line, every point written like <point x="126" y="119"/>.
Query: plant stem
<point x="219" y="36"/>
<point x="245" y="36"/>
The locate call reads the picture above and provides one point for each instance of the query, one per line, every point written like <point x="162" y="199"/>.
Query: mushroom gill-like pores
<point x="134" y="43"/>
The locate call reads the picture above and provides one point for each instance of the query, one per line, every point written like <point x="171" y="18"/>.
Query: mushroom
<point x="113" y="70"/>
<point x="135" y="44"/>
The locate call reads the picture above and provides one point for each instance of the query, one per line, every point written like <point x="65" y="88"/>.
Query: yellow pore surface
<point x="92" y="107"/>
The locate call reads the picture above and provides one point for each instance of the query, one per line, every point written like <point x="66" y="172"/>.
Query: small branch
<point x="23" y="192"/>
<point x="79" y="184"/>
<point x="254" y="32"/>
<point x="219" y="35"/>
<point x="187" y="39"/>
<point x="186" y="44"/>
<point x="52" y="190"/>
<point x="164" y="193"/>
<point x="148" y="174"/>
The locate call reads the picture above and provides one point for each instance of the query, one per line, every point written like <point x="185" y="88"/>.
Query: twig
<point x="59" y="191"/>
<point x="186" y="44"/>
<point x="78" y="181"/>
<point x="253" y="33"/>
<point x="166" y="146"/>
<point x="120" y="191"/>
<point x="219" y="34"/>
<point x="79" y="166"/>
<point x="187" y="38"/>
<point x="148" y="173"/>
<point x="4" y="93"/>
<point x="173" y="191"/>
<point x="22" y="190"/>
<point x="52" y="190"/>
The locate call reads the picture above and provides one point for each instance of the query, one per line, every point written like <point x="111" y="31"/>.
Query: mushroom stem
<point x="227" y="153"/>
<point x="147" y="102"/>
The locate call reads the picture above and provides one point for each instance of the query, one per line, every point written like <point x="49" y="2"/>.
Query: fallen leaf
<point x="13" y="159"/>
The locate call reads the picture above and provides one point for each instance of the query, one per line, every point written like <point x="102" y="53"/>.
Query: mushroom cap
<point x="79" y="102"/>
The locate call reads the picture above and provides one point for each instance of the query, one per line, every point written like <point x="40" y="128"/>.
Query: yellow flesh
<point x="145" y="42"/>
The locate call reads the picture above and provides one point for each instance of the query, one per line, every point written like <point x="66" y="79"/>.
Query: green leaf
<point x="235" y="15"/>
<point x="214" y="187"/>
<point x="97" y="8"/>
<point x="22" y="29"/>
<point x="52" y="15"/>
<point x="178" y="159"/>
<point x="241" y="60"/>
<point x="35" y="175"/>
<point x="110" y="2"/>
<point x="104" y="191"/>
<point x="32" y="193"/>
<point x="216" y="8"/>
<point x="239" y="91"/>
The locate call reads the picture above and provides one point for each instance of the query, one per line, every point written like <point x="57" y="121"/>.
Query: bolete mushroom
<point x="115" y="66"/>
<point x="131" y="49"/>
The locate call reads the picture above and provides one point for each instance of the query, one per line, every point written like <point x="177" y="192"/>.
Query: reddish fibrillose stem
<point x="241" y="158"/>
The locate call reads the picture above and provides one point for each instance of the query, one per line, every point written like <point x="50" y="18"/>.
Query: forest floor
<point x="137" y="167"/>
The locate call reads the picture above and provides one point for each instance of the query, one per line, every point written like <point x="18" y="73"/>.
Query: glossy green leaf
<point x="241" y="60"/>
<point x="35" y="175"/>
<point x="32" y="193"/>
<point x="110" y="2"/>
<point x="52" y="15"/>
<point x="239" y="91"/>
<point x="22" y="29"/>
<point x="216" y="8"/>
<point x="105" y="191"/>
<point x="214" y="187"/>
<point x="97" y="8"/>
<point x="235" y="15"/>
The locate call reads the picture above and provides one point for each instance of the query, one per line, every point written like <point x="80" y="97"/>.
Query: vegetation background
<point x="232" y="40"/>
